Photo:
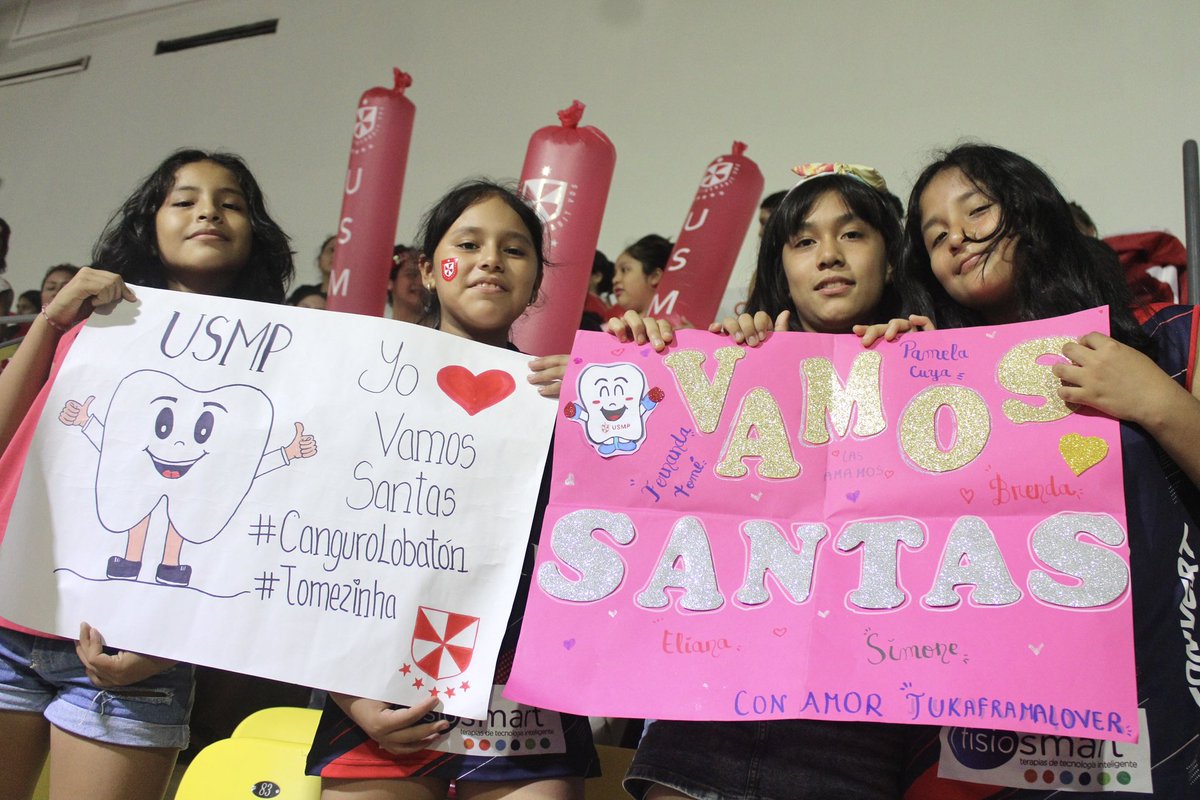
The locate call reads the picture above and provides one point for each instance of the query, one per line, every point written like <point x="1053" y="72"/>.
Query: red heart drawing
<point x="475" y="392"/>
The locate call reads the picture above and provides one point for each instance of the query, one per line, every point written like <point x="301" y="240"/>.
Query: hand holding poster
<point x="919" y="532"/>
<point x="332" y="500"/>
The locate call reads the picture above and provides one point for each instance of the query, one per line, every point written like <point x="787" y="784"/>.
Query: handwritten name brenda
<point x="1004" y="492"/>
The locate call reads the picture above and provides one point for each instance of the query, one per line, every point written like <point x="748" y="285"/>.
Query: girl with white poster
<point x="481" y="260"/>
<point x="114" y="721"/>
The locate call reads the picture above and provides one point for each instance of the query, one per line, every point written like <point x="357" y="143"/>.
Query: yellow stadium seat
<point x="282" y="724"/>
<point x="42" y="792"/>
<point x="244" y="767"/>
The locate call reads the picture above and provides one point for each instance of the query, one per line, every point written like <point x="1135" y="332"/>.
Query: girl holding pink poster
<point x="824" y="266"/>
<point x="481" y="260"/>
<point x="990" y="240"/>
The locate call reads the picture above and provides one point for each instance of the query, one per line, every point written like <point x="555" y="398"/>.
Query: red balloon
<point x="567" y="173"/>
<point x="371" y="205"/>
<point x="707" y="247"/>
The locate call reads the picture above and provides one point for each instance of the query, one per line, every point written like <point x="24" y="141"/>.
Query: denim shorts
<point x="770" y="760"/>
<point x="46" y="677"/>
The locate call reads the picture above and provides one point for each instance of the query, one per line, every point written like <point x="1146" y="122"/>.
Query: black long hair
<point x="1056" y="269"/>
<point x="129" y="244"/>
<point x="770" y="292"/>
<point x="652" y="252"/>
<point x="438" y="220"/>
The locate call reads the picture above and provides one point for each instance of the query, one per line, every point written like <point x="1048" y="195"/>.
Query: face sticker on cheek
<point x="449" y="269"/>
<point x="198" y="450"/>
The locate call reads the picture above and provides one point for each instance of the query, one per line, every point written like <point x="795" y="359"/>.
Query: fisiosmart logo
<point x="1045" y="761"/>
<point x="980" y="749"/>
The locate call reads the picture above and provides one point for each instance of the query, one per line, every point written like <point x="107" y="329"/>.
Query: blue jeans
<point x="45" y="676"/>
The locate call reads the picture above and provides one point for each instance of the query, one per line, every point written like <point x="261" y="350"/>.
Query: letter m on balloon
<point x="443" y="642"/>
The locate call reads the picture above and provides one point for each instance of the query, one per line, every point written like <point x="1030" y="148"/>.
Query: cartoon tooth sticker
<point x="613" y="404"/>
<point x="197" y="451"/>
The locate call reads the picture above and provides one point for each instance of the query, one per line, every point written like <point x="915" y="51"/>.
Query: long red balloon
<point x="707" y="247"/>
<point x="567" y="173"/>
<point x="371" y="204"/>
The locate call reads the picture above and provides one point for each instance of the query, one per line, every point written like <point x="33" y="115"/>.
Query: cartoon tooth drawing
<point x="197" y="451"/>
<point x="613" y="404"/>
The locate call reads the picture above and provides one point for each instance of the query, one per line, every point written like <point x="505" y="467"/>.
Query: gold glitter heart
<point x="1082" y="452"/>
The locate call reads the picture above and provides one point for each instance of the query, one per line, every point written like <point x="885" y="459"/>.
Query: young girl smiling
<point x="824" y="266"/>
<point x="990" y="240"/>
<point x="481" y="259"/>
<point x="114" y="721"/>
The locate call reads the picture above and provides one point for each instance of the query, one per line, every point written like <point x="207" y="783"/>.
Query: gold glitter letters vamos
<point x="830" y="401"/>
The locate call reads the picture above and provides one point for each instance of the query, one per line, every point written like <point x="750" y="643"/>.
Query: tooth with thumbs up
<point x="197" y="450"/>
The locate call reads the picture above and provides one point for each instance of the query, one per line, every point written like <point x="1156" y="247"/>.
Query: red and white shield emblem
<point x="364" y="121"/>
<point x="546" y="195"/>
<point x="717" y="172"/>
<point x="443" y="642"/>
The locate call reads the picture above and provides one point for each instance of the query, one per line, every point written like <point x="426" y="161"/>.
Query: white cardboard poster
<point x="349" y="497"/>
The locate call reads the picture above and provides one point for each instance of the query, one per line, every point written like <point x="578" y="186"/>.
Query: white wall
<point x="1101" y="93"/>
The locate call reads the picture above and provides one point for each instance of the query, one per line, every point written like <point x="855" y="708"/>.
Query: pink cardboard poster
<point x="919" y="532"/>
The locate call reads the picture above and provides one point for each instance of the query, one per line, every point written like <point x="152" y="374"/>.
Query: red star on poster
<point x="433" y="692"/>
<point x="448" y="691"/>
<point x="465" y="685"/>
<point x="418" y="683"/>
<point x="405" y="669"/>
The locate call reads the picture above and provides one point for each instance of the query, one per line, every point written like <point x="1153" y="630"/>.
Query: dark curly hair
<point x="437" y="222"/>
<point x="129" y="244"/>
<point x="770" y="292"/>
<point x="1056" y="269"/>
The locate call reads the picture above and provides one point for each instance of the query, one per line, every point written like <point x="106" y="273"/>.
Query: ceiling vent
<point x="50" y="71"/>
<point x="263" y="28"/>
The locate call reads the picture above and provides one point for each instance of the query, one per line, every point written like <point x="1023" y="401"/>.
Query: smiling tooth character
<point x="613" y="404"/>
<point x="197" y="451"/>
